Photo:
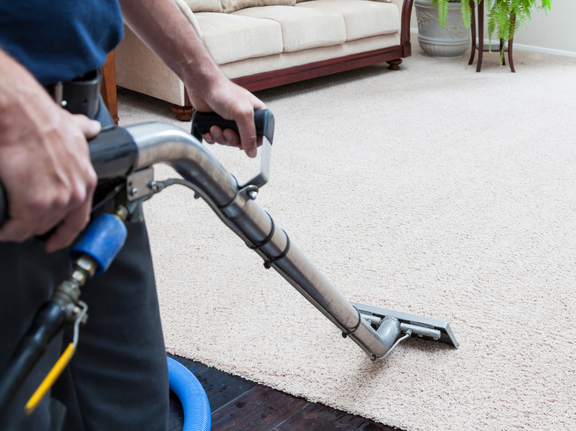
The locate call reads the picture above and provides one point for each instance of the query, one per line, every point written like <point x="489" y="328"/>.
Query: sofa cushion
<point x="286" y="60"/>
<point x="185" y="9"/>
<point x="204" y="5"/>
<point x="231" y="38"/>
<point x="302" y="28"/>
<point x="234" y="5"/>
<point x="362" y="18"/>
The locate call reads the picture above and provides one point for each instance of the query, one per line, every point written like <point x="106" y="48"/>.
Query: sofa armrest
<point x="405" y="7"/>
<point x="190" y="16"/>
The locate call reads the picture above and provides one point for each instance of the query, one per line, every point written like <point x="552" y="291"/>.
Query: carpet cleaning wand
<point x="129" y="154"/>
<point x="376" y="330"/>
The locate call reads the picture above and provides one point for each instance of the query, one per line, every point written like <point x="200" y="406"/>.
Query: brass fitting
<point x="84" y="268"/>
<point x="68" y="292"/>
<point x="121" y="213"/>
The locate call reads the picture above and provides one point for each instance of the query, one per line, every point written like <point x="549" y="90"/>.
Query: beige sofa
<point x="279" y="43"/>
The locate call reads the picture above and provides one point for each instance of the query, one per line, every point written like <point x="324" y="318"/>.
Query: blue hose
<point x="197" y="414"/>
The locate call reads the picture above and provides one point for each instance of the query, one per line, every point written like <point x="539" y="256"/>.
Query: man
<point x="118" y="378"/>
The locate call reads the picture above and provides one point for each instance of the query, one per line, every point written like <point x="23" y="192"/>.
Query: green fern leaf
<point x="442" y="12"/>
<point x="466" y="14"/>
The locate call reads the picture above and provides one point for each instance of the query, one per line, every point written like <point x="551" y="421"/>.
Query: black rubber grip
<point x="113" y="153"/>
<point x="202" y="121"/>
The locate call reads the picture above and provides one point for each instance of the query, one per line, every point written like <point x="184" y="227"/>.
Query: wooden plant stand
<point x="482" y="49"/>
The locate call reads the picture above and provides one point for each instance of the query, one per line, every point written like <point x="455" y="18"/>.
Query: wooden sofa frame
<point x="392" y="55"/>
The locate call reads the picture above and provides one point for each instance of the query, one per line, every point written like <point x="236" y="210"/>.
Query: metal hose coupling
<point x="93" y="253"/>
<point x="68" y="292"/>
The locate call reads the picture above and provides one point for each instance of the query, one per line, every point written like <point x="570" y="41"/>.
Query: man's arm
<point x="165" y="29"/>
<point x="44" y="161"/>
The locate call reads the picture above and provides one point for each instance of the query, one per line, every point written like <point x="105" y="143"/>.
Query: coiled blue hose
<point x="197" y="414"/>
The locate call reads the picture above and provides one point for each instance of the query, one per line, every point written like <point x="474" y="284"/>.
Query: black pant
<point x="118" y="377"/>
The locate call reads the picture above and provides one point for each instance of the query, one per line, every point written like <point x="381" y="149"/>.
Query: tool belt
<point x="80" y="95"/>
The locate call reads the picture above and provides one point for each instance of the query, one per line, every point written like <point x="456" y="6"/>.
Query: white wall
<point x="554" y="32"/>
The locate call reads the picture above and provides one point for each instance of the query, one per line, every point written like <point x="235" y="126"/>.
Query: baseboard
<point x="529" y="48"/>
<point x="544" y="50"/>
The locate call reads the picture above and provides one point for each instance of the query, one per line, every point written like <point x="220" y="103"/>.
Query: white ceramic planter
<point x="450" y="42"/>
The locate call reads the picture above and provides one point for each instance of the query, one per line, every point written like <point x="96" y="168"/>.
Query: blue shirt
<point x="58" y="40"/>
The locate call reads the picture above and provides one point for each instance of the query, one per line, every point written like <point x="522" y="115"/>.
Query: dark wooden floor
<point x="241" y="405"/>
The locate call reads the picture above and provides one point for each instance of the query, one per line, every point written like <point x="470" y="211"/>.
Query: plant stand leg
<point x="502" y="47"/>
<point x="394" y="64"/>
<point x="510" y="61"/>
<point x="480" y="34"/>
<point x="473" y="30"/>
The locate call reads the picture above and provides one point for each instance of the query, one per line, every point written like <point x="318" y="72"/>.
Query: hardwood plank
<point x="240" y="405"/>
<point x="317" y="417"/>
<point x="261" y="409"/>
<point x="222" y="388"/>
<point x="373" y="426"/>
<point x="195" y="367"/>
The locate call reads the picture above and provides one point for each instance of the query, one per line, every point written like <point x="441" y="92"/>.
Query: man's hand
<point x="44" y="161"/>
<point x="232" y="103"/>
<point x="165" y="29"/>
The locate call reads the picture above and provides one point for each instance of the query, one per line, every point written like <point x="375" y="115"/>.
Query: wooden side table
<point x="482" y="49"/>
<point x="108" y="89"/>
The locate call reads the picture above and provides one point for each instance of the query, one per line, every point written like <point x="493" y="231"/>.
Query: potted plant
<point x="443" y="27"/>
<point x="505" y="17"/>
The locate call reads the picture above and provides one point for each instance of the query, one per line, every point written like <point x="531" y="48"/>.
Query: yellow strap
<point x="50" y="379"/>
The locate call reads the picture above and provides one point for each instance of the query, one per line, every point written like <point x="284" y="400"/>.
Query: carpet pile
<point x="433" y="190"/>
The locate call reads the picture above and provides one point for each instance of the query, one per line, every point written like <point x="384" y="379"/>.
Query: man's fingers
<point x="233" y="103"/>
<point x="70" y="227"/>
<point x="247" y="129"/>
<point x="89" y="127"/>
<point x="231" y="137"/>
<point x="217" y="136"/>
<point x="16" y="230"/>
<point x="209" y="138"/>
<point x="257" y="103"/>
<point x="64" y="204"/>
<point x="227" y="137"/>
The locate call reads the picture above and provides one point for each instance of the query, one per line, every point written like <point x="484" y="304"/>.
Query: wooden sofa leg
<point x="108" y="89"/>
<point x="394" y="64"/>
<point x="183" y="113"/>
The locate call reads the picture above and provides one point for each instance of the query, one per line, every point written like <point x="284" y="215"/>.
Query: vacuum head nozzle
<point x="424" y="327"/>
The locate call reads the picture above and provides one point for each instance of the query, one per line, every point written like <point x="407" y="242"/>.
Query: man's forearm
<point x="19" y="88"/>
<point x="165" y="29"/>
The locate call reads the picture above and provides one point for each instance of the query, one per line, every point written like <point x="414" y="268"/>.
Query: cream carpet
<point x="432" y="190"/>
